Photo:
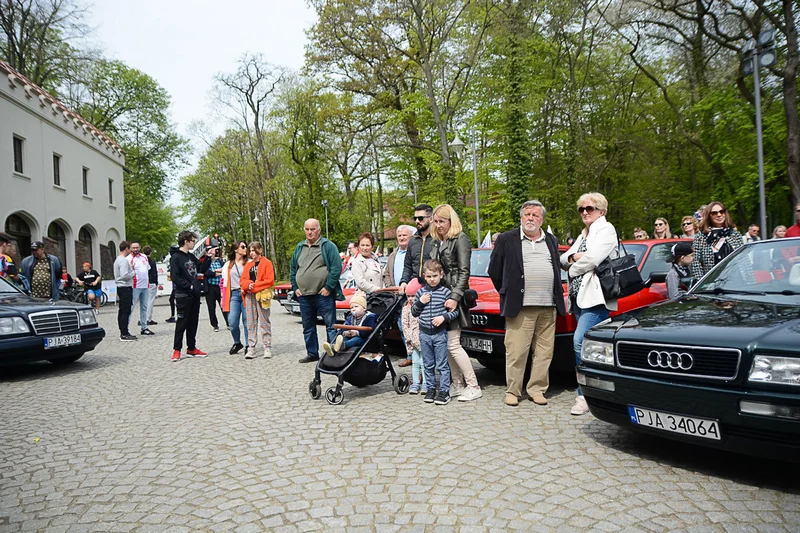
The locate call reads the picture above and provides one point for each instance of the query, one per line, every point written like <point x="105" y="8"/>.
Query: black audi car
<point x="719" y="367"/>
<point x="39" y="330"/>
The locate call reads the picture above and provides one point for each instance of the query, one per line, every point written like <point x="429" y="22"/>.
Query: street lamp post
<point x="458" y="148"/>
<point x="325" y="205"/>
<point x="756" y="55"/>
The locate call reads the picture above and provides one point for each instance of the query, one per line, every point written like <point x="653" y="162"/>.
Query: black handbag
<point x="619" y="277"/>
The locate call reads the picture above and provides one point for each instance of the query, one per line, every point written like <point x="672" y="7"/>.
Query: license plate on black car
<point x="686" y="425"/>
<point x="51" y="343"/>
<point x="477" y="344"/>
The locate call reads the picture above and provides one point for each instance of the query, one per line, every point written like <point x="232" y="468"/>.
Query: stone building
<point x="60" y="178"/>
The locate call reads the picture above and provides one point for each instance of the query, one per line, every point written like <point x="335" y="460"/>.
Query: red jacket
<point x="265" y="277"/>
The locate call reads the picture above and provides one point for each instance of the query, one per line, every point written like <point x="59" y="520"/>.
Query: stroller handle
<point x="353" y="328"/>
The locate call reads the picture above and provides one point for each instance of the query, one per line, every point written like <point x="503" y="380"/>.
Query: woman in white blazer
<point x="595" y="243"/>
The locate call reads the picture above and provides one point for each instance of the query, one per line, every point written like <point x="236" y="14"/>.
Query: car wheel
<point x="65" y="360"/>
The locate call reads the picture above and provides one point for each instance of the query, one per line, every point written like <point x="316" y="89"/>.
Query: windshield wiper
<point x="720" y="290"/>
<point x="785" y="292"/>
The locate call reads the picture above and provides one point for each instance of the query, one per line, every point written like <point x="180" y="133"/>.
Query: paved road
<point x="124" y="440"/>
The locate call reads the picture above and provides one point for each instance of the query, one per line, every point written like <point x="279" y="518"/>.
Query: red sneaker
<point x="176" y="356"/>
<point x="195" y="353"/>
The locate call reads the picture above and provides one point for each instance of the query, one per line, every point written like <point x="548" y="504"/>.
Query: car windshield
<point x="636" y="250"/>
<point x="658" y="260"/>
<point x="7" y="288"/>
<point x="479" y="263"/>
<point x="764" y="270"/>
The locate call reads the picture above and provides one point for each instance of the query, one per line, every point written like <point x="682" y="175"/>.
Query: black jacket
<point x="183" y="269"/>
<point x="508" y="273"/>
<point x="419" y="251"/>
<point x="152" y="274"/>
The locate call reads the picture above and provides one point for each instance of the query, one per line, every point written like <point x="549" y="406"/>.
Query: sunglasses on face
<point x="243" y="246"/>
<point x="720" y="212"/>
<point x="420" y="218"/>
<point x="589" y="209"/>
<point x="687" y="223"/>
<point x="659" y="223"/>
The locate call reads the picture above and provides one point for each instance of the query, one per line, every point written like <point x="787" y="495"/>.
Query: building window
<point x="18" y="153"/>
<point x="111" y="191"/>
<point x="57" y="170"/>
<point x="85" y="181"/>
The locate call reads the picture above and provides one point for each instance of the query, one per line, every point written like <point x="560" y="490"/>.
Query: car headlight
<point x="772" y="369"/>
<point x="87" y="317"/>
<point x="13" y="325"/>
<point x="597" y="352"/>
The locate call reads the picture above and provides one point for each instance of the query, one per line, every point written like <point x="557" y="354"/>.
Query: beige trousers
<point x="461" y="370"/>
<point x="532" y="327"/>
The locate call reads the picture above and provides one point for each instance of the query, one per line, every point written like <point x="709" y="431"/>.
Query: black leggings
<point x="213" y="297"/>
<point x="172" y="302"/>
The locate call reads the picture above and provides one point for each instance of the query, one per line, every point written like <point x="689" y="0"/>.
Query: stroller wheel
<point x="334" y="396"/>
<point x="315" y="390"/>
<point x="401" y="384"/>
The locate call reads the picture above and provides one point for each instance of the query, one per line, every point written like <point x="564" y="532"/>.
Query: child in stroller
<point x="363" y="364"/>
<point x="350" y="338"/>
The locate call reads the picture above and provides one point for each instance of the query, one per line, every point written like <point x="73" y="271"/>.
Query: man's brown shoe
<point x="511" y="400"/>
<point x="538" y="398"/>
<point x="405" y="362"/>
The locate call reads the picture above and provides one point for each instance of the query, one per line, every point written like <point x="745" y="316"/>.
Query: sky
<point x="182" y="44"/>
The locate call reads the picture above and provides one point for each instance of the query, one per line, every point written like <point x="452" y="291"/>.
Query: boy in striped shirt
<point x="433" y="318"/>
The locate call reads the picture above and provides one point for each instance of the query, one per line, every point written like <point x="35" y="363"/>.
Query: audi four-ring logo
<point x="673" y="360"/>
<point x="480" y="320"/>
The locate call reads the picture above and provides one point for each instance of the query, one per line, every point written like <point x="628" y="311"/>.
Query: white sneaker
<point x="456" y="391"/>
<point x="580" y="407"/>
<point x="470" y="393"/>
<point x="267" y="354"/>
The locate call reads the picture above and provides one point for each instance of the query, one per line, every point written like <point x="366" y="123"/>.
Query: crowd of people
<point x="430" y="268"/>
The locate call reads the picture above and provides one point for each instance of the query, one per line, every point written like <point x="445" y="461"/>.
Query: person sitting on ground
<point x="350" y="338"/>
<point x="682" y="257"/>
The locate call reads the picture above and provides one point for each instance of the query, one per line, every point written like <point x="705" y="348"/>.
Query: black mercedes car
<point x="719" y="367"/>
<point x="39" y="330"/>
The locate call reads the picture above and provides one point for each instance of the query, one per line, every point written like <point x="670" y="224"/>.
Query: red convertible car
<point x="484" y="340"/>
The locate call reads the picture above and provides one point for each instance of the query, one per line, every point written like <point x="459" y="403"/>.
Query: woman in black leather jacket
<point x="454" y="249"/>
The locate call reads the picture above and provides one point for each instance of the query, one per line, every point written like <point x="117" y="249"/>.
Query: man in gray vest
<point x="525" y="270"/>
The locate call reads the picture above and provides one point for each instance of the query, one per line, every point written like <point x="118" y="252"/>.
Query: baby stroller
<point x="348" y="366"/>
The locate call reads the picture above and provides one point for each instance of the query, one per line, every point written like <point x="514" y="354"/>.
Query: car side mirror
<point x="656" y="277"/>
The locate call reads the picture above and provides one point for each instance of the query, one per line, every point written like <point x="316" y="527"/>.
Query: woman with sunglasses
<point x="717" y="239"/>
<point x="689" y="227"/>
<point x="258" y="278"/>
<point x="661" y="229"/>
<point x="232" y="302"/>
<point x="594" y="244"/>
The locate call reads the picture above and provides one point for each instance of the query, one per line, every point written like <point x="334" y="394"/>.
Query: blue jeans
<point x="235" y="314"/>
<point x="143" y="297"/>
<point x="353" y="341"/>
<point x="310" y="307"/>
<point x="434" y="358"/>
<point x="586" y="318"/>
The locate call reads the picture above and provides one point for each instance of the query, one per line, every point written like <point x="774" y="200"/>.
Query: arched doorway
<point x="84" y="247"/>
<point x="58" y="238"/>
<point x="18" y="228"/>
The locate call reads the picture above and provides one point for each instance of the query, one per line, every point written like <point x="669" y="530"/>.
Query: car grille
<point x="50" y="322"/>
<point x="702" y="361"/>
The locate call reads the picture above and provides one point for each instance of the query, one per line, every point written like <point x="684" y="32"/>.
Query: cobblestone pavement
<point x="124" y="440"/>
